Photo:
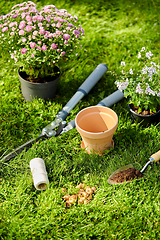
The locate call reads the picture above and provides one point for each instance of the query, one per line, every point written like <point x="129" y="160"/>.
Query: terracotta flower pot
<point x="96" y="126"/>
<point x="46" y="90"/>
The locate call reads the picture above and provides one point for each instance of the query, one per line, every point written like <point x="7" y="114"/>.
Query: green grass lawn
<point x="114" y="31"/>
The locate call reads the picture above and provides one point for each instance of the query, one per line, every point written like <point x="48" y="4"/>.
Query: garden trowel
<point x="154" y="158"/>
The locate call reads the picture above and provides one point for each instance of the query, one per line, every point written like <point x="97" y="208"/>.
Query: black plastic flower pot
<point x="46" y="90"/>
<point x="144" y="120"/>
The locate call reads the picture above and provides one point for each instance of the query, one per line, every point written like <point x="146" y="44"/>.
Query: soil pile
<point x="126" y="175"/>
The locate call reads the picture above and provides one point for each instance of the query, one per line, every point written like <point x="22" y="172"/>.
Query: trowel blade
<point x="118" y="170"/>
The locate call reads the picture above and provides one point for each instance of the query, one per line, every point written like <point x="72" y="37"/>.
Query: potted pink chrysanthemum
<point x="39" y="40"/>
<point x="141" y="85"/>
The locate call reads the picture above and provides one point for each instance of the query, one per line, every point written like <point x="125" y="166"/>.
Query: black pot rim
<point x="144" y="116"/>
<point x="19" y="73"/>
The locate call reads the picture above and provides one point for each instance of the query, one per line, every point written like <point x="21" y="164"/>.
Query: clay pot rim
<point x="97" y="133"/>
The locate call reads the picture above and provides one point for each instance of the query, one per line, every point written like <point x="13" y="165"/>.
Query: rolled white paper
<point x="39" y="174"/>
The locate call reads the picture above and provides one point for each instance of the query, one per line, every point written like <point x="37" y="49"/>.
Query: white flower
<point x="123" y="63"/>
<point x="123" y="85"/>
<point x="154" y="64"/>
<point x="139" y="55"/>
<point x="139" y="89"/>
<point x="143" y="83"/>
<point x="152" y="70"/>
<point x="144" y="70"/>
<point x="131" y="71"/>
<point x="149" y="54"/>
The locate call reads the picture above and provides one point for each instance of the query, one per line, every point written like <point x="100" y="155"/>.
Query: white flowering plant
<point x="39" y="40"/>
<point x="141" y="84"/>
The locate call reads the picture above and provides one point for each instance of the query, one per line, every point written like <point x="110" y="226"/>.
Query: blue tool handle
<point x="111" y="99"/>
<point x="83" y="90"/>
<point x="93" y="78"/>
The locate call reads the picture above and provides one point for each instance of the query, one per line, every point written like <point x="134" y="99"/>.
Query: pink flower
<point x="12" y="55"/>
<point x="40" y="18"/>
<point x="21" y="25"/>
<point x="22" y="22"/>
<point x="48" y="19"/>
<point x="24" y="8"/>
<point x="24" y="40"/>
<point x="12" y="24"/>
<point x="58" y="32"/>
<point x="4" y="29"/>
<point x="60" y="19"/>
<point x="81" y="29"/>
<point x="41" y="31"/>
<point x="23" y="50"/>
<point x="12" y="33"/>
<point x="28" y="28"/>
<point x="39" y="42"/>
<point x="21" y="32"/>
<point x="28" y="18"/>
<point x="32" y="55"/>
<point x="63" y="53"/>
<point x="66" y="36"/>
<point x="35" y="33"/>
<point x="17" y="5"/>
<point x="47" y="10"/>
<point x="50" y="35"/>
<point x="38" y="47"/>
<point x="58" y="24"/>
<point x="23" y="15"/>
<point x="44" y="47"/>
<point x="76" y="32"/>
<point x="14" y="16"/>
<point x="70" y="24"/>
<point x="39" y="24"/>
<point x="30" y="23"/>
<point x="34" y="18"/>
<point x="31" y="3"/>
<point x="32" y="44"/>
<point x="54" y="46"/>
